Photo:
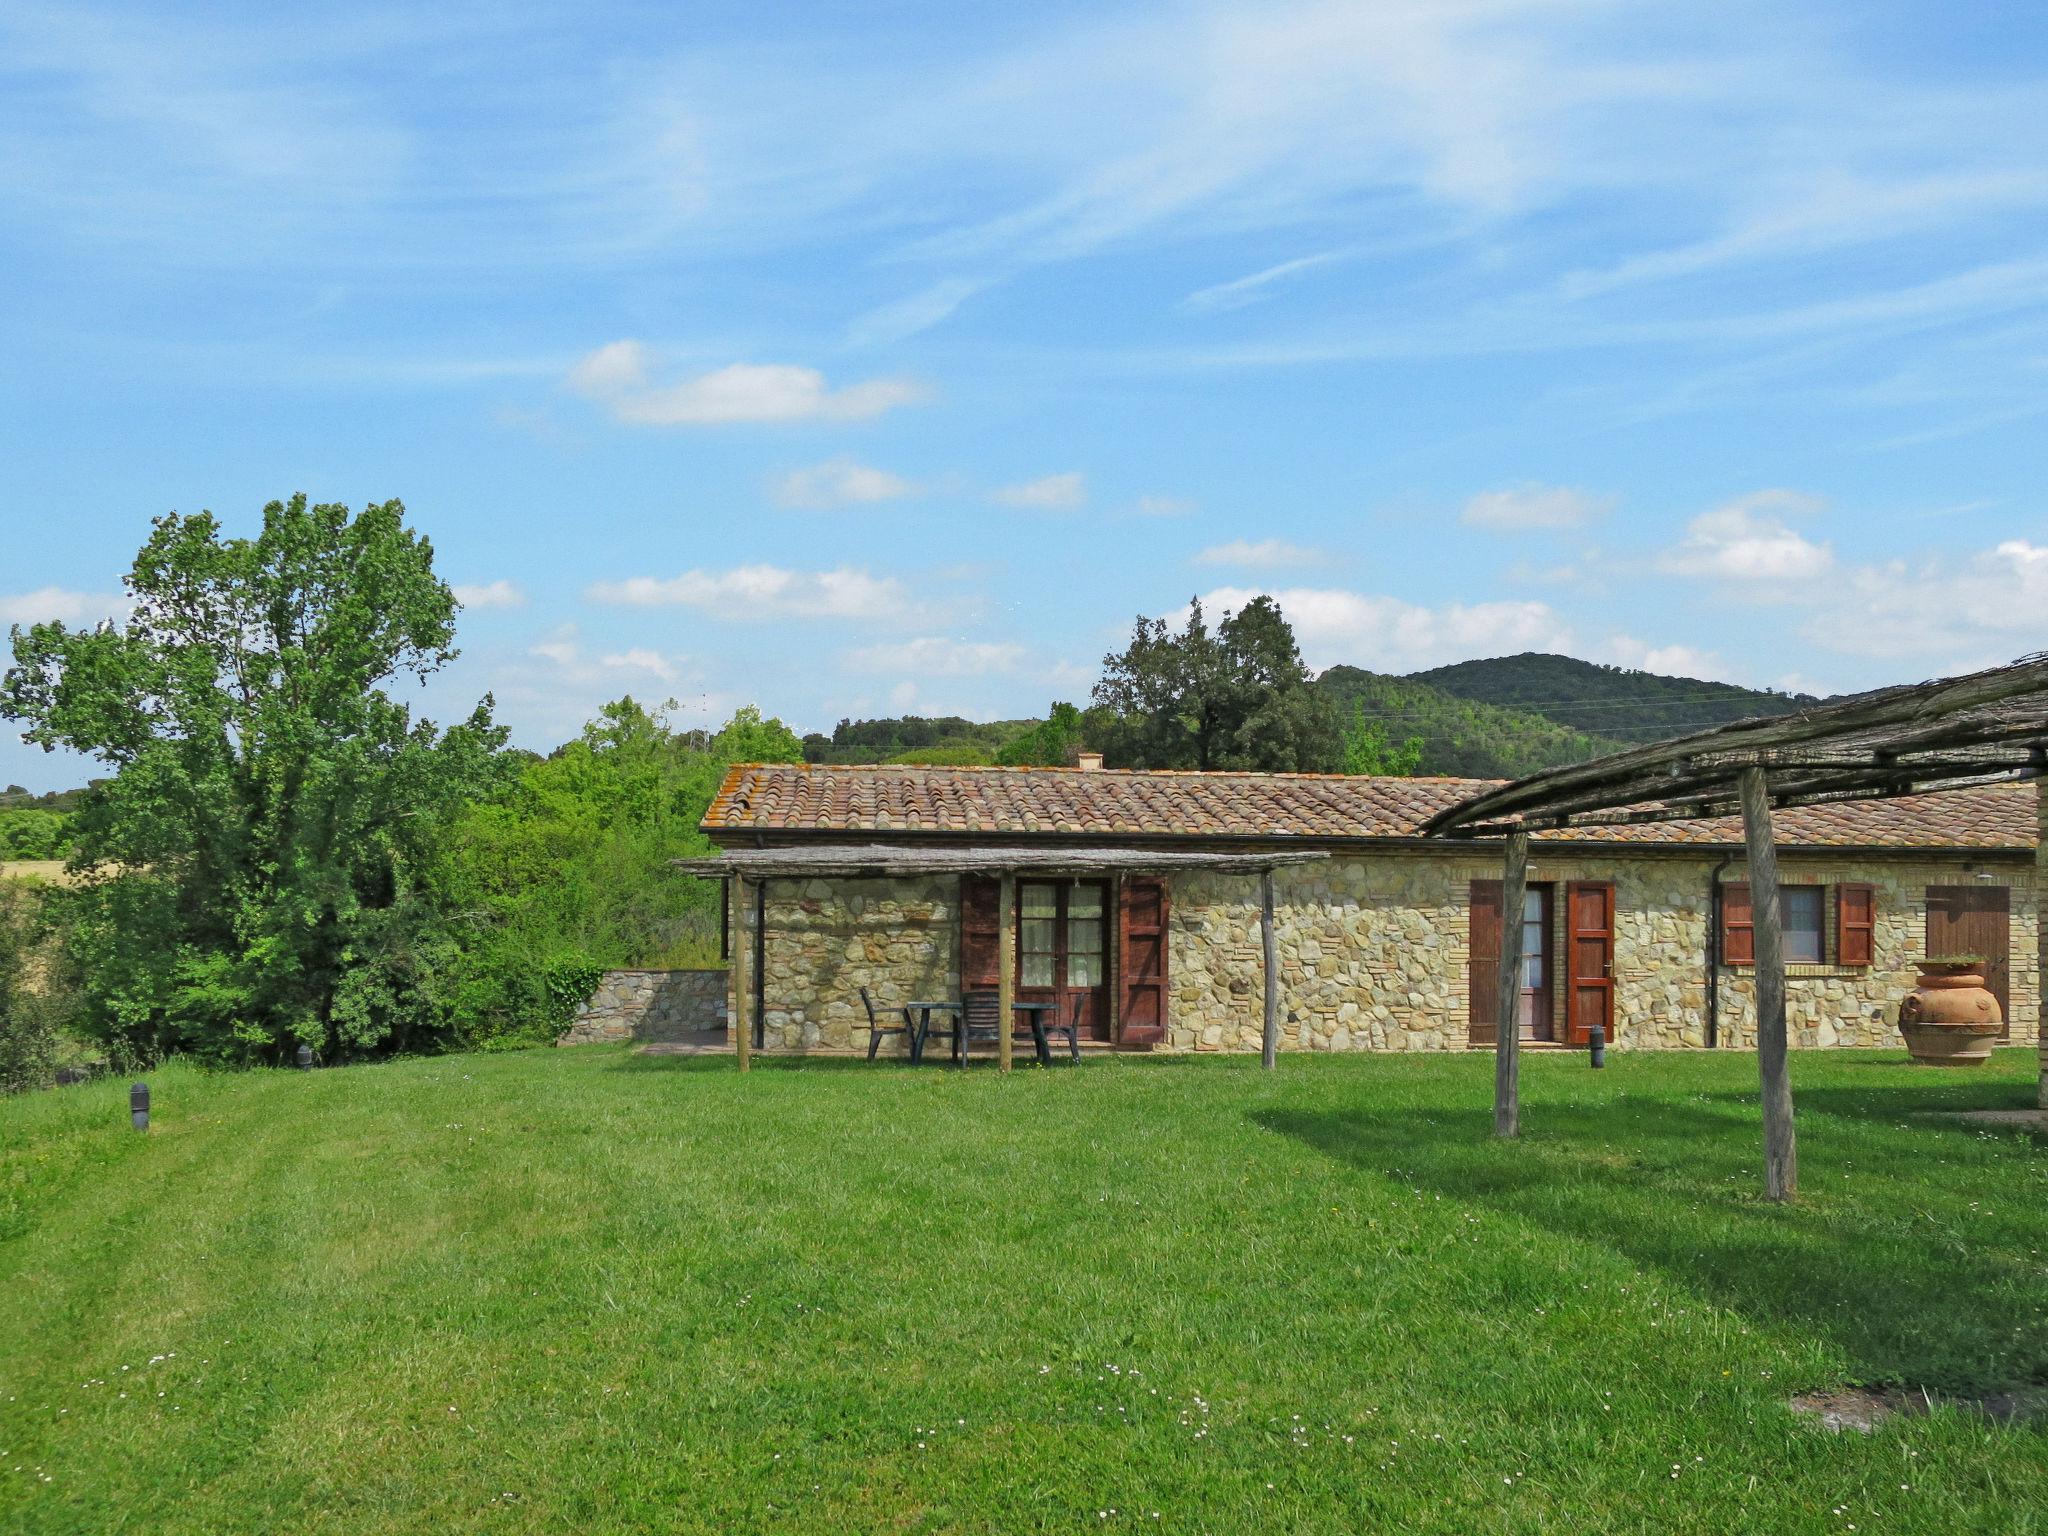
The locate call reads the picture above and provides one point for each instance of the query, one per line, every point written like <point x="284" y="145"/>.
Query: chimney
<point x="1088" y="762"/>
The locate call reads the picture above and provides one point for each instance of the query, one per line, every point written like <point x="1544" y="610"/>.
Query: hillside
<point x="1460" y="736"/>
<point x="1612" y="702"/>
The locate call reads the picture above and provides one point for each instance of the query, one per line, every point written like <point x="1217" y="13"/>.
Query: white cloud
<point x="640" y="660"/>
<point x="1387" y="634"/>
<point x="1263" y="555"/>
<point x="1665" y="660"/>
<point x="839" y="482"/>
<point x="764" y="592"/>
<point x="1163" y="506"/>
<point x="1051" y="493"/>
<point x="60" y="605"/>
<point x="1747" y="540"/>
<point x="559" y="646"/>
<point x="1943" y="615"/>
<point x="490" y="594"/>
<point x="619" y="376"/>
<point x="919" y="311"/>
<point x="935" y="656"/>
<point x="1534" y="506"/>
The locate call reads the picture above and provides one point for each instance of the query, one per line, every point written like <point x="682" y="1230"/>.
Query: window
<point x="1802" y="909"/>
<point x="1038" y="949"/>
<point x="1805" y="933"/>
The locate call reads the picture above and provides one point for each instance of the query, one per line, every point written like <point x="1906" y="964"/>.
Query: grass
<point x="583" y="1290"/>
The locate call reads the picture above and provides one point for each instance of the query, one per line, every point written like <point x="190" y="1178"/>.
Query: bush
<point x="32" y="1000"/>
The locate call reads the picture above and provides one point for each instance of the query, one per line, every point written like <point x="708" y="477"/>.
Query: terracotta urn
<point x="1950" y="1019"/>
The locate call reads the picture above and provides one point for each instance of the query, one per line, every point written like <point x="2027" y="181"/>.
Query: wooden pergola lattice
<point x="1985" y="728"/>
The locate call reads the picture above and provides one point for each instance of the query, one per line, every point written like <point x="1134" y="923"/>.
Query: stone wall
<point x="826" y="939"/>
<point x="1375" y="952"/>
<point x="650" y="1006"/>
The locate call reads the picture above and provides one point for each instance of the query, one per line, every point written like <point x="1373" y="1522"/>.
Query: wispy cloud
<point x="619" y="376"/>
<point x="1163" y="506"/>
<point x="1249" y="289"/>
<point x="839" y="482"/>
<point x="1260" y="555"/>
<point x="1392" y="635"/>
<point x="762" y="592"/>
<point x="1523" y="507"/>
<point x="61" y="605"/>
<point x="490" y="594"/>
<point x="935" y="656"/>
<point x="1050" y="493"/>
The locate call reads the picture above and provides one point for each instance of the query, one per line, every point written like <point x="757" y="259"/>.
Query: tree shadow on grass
<point x="1890" y="1264"/>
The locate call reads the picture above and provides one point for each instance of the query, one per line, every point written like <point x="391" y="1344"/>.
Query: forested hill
<point x="1611" y="702"/>
<point x="1464" y="737"/>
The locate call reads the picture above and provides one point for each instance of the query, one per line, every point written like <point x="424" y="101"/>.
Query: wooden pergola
<point x="750" y="870"/>
<point x="1985" y="728"/>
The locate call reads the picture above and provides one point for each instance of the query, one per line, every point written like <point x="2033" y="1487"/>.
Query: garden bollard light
<point x="305" y="1058"/>
<point x="138" y="1106"/>
<point x="1596" y="1041"/>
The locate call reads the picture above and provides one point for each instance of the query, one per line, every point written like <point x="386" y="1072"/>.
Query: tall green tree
<point x="259" y="867"/>
<point x="1235" y="697"/>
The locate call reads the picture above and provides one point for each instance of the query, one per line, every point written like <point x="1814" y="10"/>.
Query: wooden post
<point x="1781" y="1152"/>
<point x="2041" y="900"/>
<point x="741" y="1025"/>
<point x="1271" y="1043"/>
<point x="1507" y="1049"/>
<point x="1006" y="969"/>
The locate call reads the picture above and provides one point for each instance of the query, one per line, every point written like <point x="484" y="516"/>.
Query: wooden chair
<point x="877" y="1029"/>
<point x="980" y="1019"/>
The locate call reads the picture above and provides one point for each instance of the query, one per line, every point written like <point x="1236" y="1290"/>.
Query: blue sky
<point x="869" y="358"/>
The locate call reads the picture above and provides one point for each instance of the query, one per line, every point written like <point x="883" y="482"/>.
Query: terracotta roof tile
<point x="1011" y="802"/>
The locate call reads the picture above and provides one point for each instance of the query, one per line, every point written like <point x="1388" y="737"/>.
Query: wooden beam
<point x="1006" y="970"/>
<point x="1507" y="1049"/>
<point x="1781" y="1151"/>
<point x="1271" y="1042"/>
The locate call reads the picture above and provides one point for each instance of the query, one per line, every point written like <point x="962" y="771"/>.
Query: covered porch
<point x="1080" y="928"/>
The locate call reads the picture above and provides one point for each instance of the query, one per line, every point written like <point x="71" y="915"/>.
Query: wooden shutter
<point x="1483" y="967"/>
<point x="1855" y="924"/>
<point x="1589" y="959"/>
<point x="980" y="932"/>
<point x="1141" y="962"/>
<point x="1738" y="925"/>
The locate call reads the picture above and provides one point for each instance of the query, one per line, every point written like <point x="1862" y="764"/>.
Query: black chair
<point x="1071" y="1029"/>
<point x="877" y="1029"/>
<point x="981" y="1018"/>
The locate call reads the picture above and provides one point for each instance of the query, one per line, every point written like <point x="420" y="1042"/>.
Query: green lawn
<point x="587" y="1291"/>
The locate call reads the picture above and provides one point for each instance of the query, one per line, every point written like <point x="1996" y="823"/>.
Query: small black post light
<point x="1596" y="1042"/>
<point x="138" y="1106"/>
<point x="305" y="1058"/>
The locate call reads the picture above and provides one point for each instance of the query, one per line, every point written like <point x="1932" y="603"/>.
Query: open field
<point x="51" y="870"/>
<point x="583" y="1290"/>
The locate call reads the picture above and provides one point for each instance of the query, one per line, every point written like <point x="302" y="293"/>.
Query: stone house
<point x="1386" y="940"/>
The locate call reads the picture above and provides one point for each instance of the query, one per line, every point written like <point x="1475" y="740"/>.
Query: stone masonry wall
<point x="829" y="938"/>
<point x="650" y="1006"/>
<point x="1374" y="952"/>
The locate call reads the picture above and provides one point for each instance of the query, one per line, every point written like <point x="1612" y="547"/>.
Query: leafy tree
<point x="1051" y="743"/>
<point x="1369" y="749"/>
<point x="259" y="868"/>
<point x="29" y="834"/>
<point x="1237" y="697"/>
<point x="570" y="869"/>
<point x="28" y="1035"/>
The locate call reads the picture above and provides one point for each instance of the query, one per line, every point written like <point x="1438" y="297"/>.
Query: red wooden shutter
<point x="980" y="930"/>
<point x="1483" y="968"/>
<point x="1738" y="927"/>
<point x="1141" y="962"/>
<point x="1589" y="959"/>
<point x="1855" y="924"/>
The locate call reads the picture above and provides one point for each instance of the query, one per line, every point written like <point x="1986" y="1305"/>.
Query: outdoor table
<point x="1034" y="1015"/>
<point x="924" y="1012"/>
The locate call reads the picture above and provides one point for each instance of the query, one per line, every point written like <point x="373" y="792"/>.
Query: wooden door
<point x="1589" y="959"/>
<point x="1536" y="1006"/>
<point x="1141" y="962"/>
<point x="1976" y="920"/>
<point x="1061" y="943"/>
